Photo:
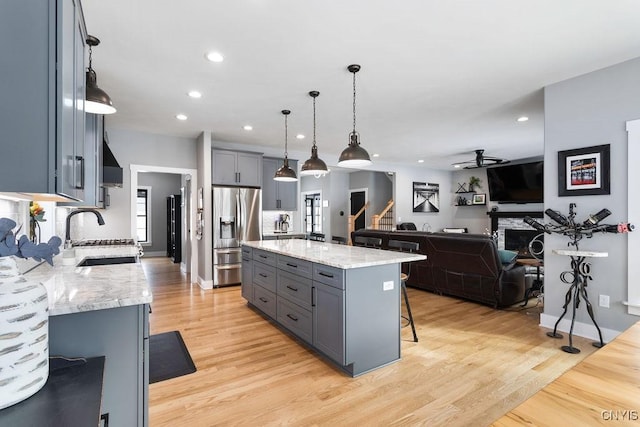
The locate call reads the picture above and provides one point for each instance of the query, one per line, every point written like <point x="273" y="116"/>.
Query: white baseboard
<point x="155" y="254"/>
<point x="205" y="284"/>
<point x="585" y="330"/>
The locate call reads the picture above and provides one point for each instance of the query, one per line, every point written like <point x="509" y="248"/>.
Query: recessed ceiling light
<point x="420" y="161"/>
<point x="214" y="57"/>
<point x="456" y="166"/>
<point x="247" y="127"/>
<point x="376" y="155"/>
<point x="194" y="94"/>
<point x="300" y="136"/>
<point x="523" y="118"/>
<point x="181" y="117"/>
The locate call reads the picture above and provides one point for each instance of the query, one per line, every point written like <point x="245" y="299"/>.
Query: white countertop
<point x="74" y="289"/>
<point x="340" y="256"/>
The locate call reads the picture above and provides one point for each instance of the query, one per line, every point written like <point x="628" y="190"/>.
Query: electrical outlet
<point x="387" y="286"/>
<point x="399" y="219"/>
<point x="604" y="301"/>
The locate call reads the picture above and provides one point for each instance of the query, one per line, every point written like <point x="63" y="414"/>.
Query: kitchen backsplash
<point x="269" y="219"/>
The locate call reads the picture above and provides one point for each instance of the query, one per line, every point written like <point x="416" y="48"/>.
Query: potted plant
<point x="473" y="182"/>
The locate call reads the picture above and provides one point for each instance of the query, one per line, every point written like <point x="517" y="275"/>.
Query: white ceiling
<point x="439" y="79"/>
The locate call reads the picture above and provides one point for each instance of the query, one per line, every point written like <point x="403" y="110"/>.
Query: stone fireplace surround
<point x="500" y="221"/>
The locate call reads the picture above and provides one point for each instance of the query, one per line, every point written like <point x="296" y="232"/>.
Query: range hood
<point x="111" y="170"/>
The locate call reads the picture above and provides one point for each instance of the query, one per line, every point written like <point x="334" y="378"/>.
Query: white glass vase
<point x="24" y="335"/>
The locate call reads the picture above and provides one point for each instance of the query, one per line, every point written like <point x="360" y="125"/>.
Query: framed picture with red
<point x="584" y="171"/>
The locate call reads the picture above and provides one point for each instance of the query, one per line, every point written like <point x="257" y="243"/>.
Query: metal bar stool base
<point x="555" y="335"/>
<point x="569" y="349"/>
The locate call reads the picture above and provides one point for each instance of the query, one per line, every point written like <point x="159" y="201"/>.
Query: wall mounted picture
<point x="479" y="199"/>
<point x="426" y="197"/>
<point x="584" y="171"/>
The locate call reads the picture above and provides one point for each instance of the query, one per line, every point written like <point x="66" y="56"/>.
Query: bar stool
<point x="368" y="242"/>
<point x="404" y="246"/>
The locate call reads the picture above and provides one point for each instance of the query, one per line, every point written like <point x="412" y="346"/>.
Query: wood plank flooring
<point x="472" y="365"/>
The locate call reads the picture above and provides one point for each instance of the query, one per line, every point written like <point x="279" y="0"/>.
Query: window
<point x="143" y="215"/>
<point x="313" y="213"/>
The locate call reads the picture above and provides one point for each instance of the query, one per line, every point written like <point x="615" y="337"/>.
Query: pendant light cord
<point x="286" y="137"/>
<point x="90" y="51"/>
<point x="314" y="121"/>
<point x="354" y="102"/>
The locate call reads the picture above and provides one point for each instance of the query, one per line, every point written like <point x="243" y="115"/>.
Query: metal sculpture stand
<point x="577" y="277"/>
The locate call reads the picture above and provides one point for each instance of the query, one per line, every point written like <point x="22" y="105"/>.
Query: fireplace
<point x="518" y="240"/>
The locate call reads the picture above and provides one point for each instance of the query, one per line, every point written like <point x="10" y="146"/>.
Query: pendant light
<point x="314" y="166"/>
<point x="285" y="173"/>
<point x="354" y="155"/>
<point x="97" y="100"/>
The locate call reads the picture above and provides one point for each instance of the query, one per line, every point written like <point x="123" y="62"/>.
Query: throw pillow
<point x="507" y="257"/>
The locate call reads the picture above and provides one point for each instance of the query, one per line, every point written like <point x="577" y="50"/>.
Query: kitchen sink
<point x="87" y="262"/>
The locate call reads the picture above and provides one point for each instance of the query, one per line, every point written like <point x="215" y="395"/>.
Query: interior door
<point x="357" y="202"/>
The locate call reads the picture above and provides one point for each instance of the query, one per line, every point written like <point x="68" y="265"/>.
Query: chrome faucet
<point x="67" y="234"/>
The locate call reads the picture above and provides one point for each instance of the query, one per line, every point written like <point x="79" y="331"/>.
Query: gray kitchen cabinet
<point x="95" y="194"/>
<point x="43" y="128"/>
<point x="236" y="168"/>
<point x="278" y="195"/>
<point x="328" y="321"/>
<point x="122" y="336"/>
<point x="350" y="315"/>
<point x="246" y="284"/>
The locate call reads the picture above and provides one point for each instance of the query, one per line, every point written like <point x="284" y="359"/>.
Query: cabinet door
<point x="80" y="160"/>
<point x="224" y="167"/>
<point x="249" y="169"/>
<point x="328" y="321"/>
<point x="65" y="134"/>
<point x="288" y="191"/>
<point x="269" y="186"/>
<point x="246" y="285"/>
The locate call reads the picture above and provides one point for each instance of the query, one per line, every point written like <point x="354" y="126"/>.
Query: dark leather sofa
<point x="462" y="265"/>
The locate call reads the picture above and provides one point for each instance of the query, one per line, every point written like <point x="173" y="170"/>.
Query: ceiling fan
<point x="481" y="161"/>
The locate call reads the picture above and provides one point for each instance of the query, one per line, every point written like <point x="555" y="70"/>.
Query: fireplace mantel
<point x="494" y="215"/>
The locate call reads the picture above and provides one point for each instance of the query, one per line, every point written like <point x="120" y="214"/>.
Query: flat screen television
<point x="516" y="183"/>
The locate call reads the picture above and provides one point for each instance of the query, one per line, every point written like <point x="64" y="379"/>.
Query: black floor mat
<point x="168" y="357"/>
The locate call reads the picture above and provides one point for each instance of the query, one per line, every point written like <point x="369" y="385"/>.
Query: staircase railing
<point x="383" y="220"/>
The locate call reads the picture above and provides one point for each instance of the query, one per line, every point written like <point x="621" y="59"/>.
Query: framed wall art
<point x="426" y="197"/>
<point x="479" y="199"/>
<point x="584" y="171"/>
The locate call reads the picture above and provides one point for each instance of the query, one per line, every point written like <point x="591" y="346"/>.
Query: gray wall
<point x="162" y="185"/>
<point x="581" y="112"/>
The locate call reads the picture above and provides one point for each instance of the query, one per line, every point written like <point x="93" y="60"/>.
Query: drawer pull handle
<point x="263" y="256"/>
<point x="294" y="318"/>
<point x="292" y="265"/>
<point x="262" y="275"/>
<point x="293" y="289"/>
<point x="330" y="276"/>
<point x="263" y="300"/>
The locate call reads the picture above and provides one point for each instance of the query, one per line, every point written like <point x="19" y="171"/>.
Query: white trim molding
<point x="633" y="215"/>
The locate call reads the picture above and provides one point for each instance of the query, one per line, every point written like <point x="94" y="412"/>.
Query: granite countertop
<point x="75" y="289"/>
<point x="340" y="256"/>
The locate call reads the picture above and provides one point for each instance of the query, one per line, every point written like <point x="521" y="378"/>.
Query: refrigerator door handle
<point x="240" y="220"/>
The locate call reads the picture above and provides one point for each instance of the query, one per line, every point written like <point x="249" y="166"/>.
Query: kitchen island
<point x="103" y="311"/>
<point x="343" y="301"/>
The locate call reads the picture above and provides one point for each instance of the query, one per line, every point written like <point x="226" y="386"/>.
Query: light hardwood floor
<point x="472" y="365"/>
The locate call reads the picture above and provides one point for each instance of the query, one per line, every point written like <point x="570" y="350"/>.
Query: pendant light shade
<point x="354" y="155"/>
<point x="97" y="101"/>
<point x="314" y="165"/>
<point x="285" y="173"/>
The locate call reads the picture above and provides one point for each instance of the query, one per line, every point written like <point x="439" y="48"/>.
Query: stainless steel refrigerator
<point x="236" y="218"/>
